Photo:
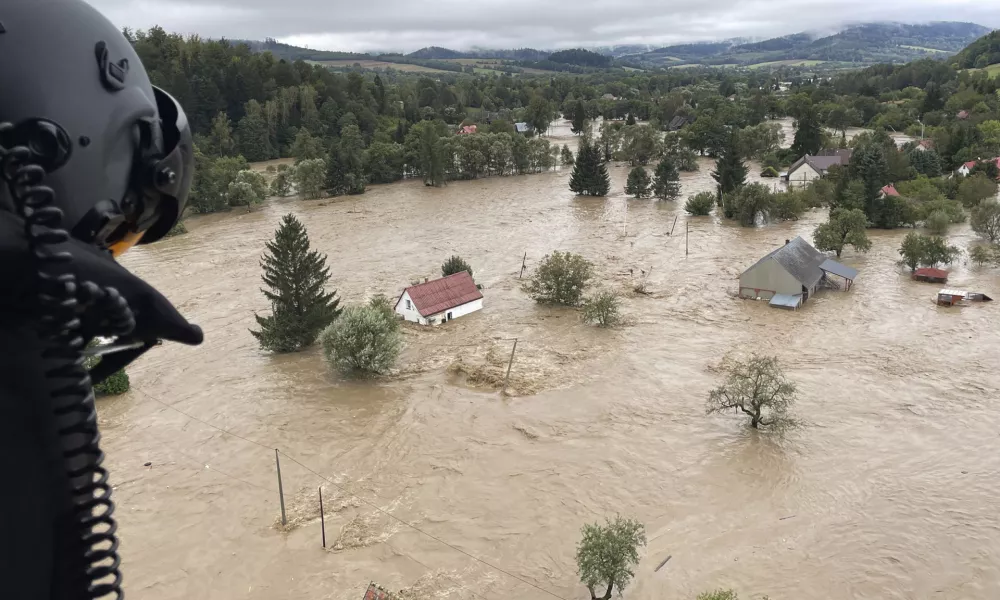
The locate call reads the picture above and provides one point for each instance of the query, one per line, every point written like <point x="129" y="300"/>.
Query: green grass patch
<point x="926" y="49"/>
<point x="787" y="63"/>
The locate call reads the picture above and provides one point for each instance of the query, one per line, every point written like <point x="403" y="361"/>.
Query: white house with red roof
<point x="888" y="190"/>
<point x="441" y="300"/>
<point x="965" y="168"/>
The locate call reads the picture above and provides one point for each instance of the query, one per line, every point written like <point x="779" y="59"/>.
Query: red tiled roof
<point x="441" y="294"/>
<point x="467" y="129"/>
<point x="969" y="164"/>
<point x="890" y="190"/>
<point x="933" y="273"/>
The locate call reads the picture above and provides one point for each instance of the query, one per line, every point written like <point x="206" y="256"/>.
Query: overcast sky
<point x="407" y="25"/>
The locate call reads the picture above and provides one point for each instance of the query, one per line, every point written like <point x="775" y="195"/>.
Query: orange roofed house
<point x="441" y="300"/>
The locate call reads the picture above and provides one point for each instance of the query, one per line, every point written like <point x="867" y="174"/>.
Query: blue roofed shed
<point x="791" y="301"/>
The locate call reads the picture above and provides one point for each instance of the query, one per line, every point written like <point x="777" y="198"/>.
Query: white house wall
<point x="412" y="314"/>
<point x="802" y="175"/>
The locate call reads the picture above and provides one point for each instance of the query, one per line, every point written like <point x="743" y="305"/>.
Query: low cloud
<point x="407" y="25"/>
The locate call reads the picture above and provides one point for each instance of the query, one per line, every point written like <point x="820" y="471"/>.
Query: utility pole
<point x="281" y="490"/>
<point x="322" y="518"/>
<point x="509" y="363"/>
<point x="523" y="264"/>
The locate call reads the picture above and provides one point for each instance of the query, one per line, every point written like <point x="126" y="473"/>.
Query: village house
<point x="806" y="169"/>
<point x="678" y="122"/>
<point x="441" y="300"/>
<point x="522" y="128"/>
<point x="924" y="145"/>
<point x="888" y="190"/>
<point x="967" y="167"/>
<point x="467" y="129"/>
<point x="790" y="274"/>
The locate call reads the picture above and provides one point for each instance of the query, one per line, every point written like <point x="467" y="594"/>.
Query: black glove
<point x="155" y="317"/>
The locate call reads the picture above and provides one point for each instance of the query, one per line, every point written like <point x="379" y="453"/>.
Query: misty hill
<point x="864" y="43"/>
<point x="981" y="53"/>
<point x="580" y="57"/>
<point x="294" y="53"/>
<point x="436" y="52"/>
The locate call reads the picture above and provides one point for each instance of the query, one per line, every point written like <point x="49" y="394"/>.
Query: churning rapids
<point x="888" y="491"/>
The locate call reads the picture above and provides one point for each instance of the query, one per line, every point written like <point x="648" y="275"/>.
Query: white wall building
<point x="808" y="168"/>
<point x="441" y="300"/>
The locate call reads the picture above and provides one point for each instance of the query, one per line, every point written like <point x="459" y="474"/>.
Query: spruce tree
<point x="666" y="180"/>
<point x="336" y="172"/>
<point x="296" y="277"/>
<point x="730" y="172"/>
<point x="808" y="135"/>
<point x="252" y="134"/>
<point x="630" y="120"/>
<point x="638" y="183"/>
<point x="590" y="175"/>
<point x="579" y="117"/>
<point x="567" y="156"/>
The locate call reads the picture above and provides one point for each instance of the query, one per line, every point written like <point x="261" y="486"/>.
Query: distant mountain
<point x="436" y="52"/>
<point x="863" y="43"/>
<point x="981" y="53"/>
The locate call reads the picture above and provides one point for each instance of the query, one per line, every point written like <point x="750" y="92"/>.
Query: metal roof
<point x="786" y="300"/>
<point x="522" y="127"/>
<point x="949" y="292"/>
<point x="800" y="259"/>
<point x="441" y="294"/>
<point x="832" y="266"/>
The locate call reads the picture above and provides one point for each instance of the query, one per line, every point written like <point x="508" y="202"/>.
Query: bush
<point x="769" y="172"/>
<point x="975" y="189"/>
<point x="718" y="595"/>
<point x="178" y="229"/>
<point x="249" y="188"/>
<point x="453" y="265"/>
<point x="115" y="385"/>
<point x="560" y="279"/>
<point x="787" y="206"/>
<point x="700" y="204"/>
<point x="310" y="176"/>
<point x="937" y="222"/>
<point x="364" y="341"/>
<point x="981" y="255"/>
<point x="281" y="185"/>
<point x="927" y="251"/>
<point x="603" y="308"/>
<point x="748" y="202"/>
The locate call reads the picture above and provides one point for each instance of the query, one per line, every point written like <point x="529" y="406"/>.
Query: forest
<point x="360" y="128"/>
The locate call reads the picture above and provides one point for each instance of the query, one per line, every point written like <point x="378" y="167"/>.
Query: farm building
<point x="806" y="169"/>
<point x="522" y="128"/>
<point x="441" y="300"/>
<point x="790" y="275"/>
<point x="931" y="275"/>
<point x="948" y="297"/>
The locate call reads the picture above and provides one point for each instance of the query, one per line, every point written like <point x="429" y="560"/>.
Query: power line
<point x="354" y="495"/>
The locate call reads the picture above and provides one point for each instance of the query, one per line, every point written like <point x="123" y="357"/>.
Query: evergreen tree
<point x="296" y="277"/>
<point x="808" y="135"/>
<point x="567" y="156"/>
<point x="870" y="166"/>
<point x="730" y="171"/>
<point x="638" y="183"/>
<point x="579" y="117"/>
<point x="336" y="173"/>
<point x="631" y="119"/>
<point x="252" y="133"/>
<point x="666" y="180"/>
<point x="590" y="174"/>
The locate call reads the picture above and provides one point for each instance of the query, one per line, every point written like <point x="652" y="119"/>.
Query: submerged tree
<point x="567" y="156"/>
<point x="666" y="180"/>
<point x="808" y="134"/>
<point x="755" y="386"/>
<point x="603" y="308"/>
<point x="590" y="174"/>
<point x="637" y="183"/>
<point x="560" y="279"/>
<point x="845" y="227"/>
<point x="365" y="340"/>
<point x="453" y="265"/>
<point x="700" y="204"/>
<point x="281" y="185"/>
<point x="986" y="220"/>
<point x="296" y="278"/>
<point x="309" y="176"/>
<point x="607" y="554"/>
<point x="579" y="118"/>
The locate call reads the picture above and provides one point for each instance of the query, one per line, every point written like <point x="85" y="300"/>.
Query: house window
<point x="408" y="306"/>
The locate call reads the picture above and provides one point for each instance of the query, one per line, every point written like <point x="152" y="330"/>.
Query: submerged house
<point x="441" y="300"/>
<point x="809" y="167"/>
<point x="791" y="274"/>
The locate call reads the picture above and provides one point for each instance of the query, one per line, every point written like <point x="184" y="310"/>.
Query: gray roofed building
<point x="522" y="127"/>
<point x="794" y="269"/>
<point x="810" y="167"/>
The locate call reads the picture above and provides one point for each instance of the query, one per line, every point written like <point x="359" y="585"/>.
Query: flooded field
<point x="888" y="491"/>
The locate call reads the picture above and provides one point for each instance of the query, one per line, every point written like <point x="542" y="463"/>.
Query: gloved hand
<point x="156" y="318"/>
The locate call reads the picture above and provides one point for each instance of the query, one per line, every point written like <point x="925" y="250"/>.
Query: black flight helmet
<point x="118" y="150"/>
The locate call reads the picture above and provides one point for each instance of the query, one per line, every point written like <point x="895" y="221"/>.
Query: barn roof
<point x="439" y="295"/>
<point x="800" y="259"/>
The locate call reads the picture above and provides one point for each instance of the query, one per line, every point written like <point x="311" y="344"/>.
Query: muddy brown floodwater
<point x="888" y="491"/>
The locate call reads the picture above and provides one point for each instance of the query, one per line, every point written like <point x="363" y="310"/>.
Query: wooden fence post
<point x="281" y="490"/>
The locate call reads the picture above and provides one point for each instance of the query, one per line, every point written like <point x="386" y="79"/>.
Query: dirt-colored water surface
<point x="887" y="491"/>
